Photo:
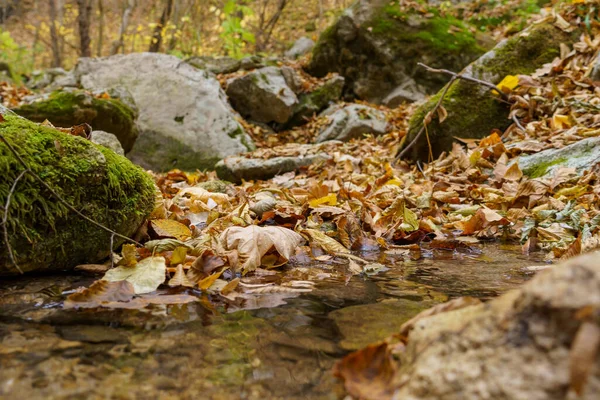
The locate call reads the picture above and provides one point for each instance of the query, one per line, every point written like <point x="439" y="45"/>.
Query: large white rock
<point x="184" y="118"/>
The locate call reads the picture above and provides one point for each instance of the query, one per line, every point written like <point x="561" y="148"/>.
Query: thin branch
<point x="518" y="123"/>
<point x="58" y="197"/>
<point x="427" y="119"/>
<point x="5" y="219"/>
<point x="489" y="85"/>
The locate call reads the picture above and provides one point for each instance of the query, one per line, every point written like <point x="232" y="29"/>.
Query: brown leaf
<point x="101" y="292"/>
<point x="368" y="373"/>
<point x="180" y="279"/>
<point x="483" y="218"/>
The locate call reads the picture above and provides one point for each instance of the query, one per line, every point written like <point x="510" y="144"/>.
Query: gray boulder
<point x="107" y="140"/>
<point x="534" y="343"/>
<point x="263" y="95"/>
<point x="376" y="45"/>
<point x="353" y="121"/>
<point x="184" y="119"/>
<point x="582" y="156"/>
<point x="407" y="93"/>
<point x="300" y="48"/>
<point x="236" y="169"/>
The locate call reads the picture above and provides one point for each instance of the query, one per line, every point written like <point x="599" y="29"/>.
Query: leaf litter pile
<point x="256" y="243"/>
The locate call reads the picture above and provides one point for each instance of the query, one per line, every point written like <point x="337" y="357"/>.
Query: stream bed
<point x="279" y="347"/>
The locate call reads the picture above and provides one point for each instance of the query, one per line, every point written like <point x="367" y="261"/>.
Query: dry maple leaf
<point x="255" y="243"/>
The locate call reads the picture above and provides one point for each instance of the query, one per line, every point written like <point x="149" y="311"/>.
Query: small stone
<point x="107" y="140"/>
<point x="236" y="169"/>
<point x="300" y="47"/>
<point x="353" y="122"/>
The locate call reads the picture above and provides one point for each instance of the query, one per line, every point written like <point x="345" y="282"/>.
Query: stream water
<point x="201" y="350"/>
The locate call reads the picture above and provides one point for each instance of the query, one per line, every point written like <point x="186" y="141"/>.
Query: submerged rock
<point x="353" y="121"/>
<point x="473" y="112"/>
<point x="69" y="108"/>
<point x="300" y="47"/>
<point x="236" y="169"/>
<point x="107" y="140"/>
<point x="263" y="95"/>
<point x="184" y="118"/>
<point x="368" y="323"/>
<point x="376" y="47"/>
<point x="581" y="156"/>
<point x="43" y="233"/>
<point x="533" y="343"/>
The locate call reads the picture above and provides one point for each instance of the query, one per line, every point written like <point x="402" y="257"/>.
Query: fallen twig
<point x="427" y="119"/>
<point x="56" y="195"/>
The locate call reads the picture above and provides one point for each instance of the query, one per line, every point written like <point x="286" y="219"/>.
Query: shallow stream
<point x="202" y="350"/>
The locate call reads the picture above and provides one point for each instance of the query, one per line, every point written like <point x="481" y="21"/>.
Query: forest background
<point x="37" y="34"/>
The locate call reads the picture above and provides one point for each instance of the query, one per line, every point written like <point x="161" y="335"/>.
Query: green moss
<point x="445" y="34"/>
<point x="523" y="54"/>
<point x="99" y="183"/>
<point x="540" y="169"/>
<point x="66" y="109"/>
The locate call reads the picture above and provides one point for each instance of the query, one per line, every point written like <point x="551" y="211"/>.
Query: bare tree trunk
<point x="265" y="32"/>
<point x="117" y="44"/>
<point x="83" y="19"/>
<point x="56" y="58"/>
<point x="100" y="28"/>
<point x="176" y="20"/>
<point x="158" y="34"/>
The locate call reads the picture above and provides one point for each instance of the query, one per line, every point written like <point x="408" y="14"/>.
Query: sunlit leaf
<point x="146" y="276"/>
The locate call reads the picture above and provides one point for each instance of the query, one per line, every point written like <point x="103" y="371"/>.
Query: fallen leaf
<point x="255" y="242"/>
<point x="146" y="276"/>
<point x="330" y="245"/>
<point x="168" y="228"/>
<point x="99" y="292"/>
<point x="180" y="279"/>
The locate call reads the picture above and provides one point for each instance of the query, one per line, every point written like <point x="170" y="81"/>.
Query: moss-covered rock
<point x="311" y="103"/>
<point x="102" y="185"/>
<point x="473" y="112"/>
<point x="376" y="46"/>
<point x="68" y="108"/>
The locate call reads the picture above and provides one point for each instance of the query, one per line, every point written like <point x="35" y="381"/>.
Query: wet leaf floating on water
<point x="100" y="292"/>
<point x="146" y="276"/>
<point x="254" y="243"/>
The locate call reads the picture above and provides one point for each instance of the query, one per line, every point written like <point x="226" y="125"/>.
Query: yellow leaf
<point x="180" y="279"/>
<point x="207" y="282"/>
<point x="330" y="199"/>
<point x="179" y="255"/>
<point x="509" y="82"/>
<point x="328" y="244"/>
<point x="168" y="228"/>
<point x="129" y="255"/>
<point x="561" y="121"/>
<point x="395" y="182"/>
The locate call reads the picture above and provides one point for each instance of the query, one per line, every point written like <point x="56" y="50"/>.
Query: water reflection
<point x="279" y="347"/>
